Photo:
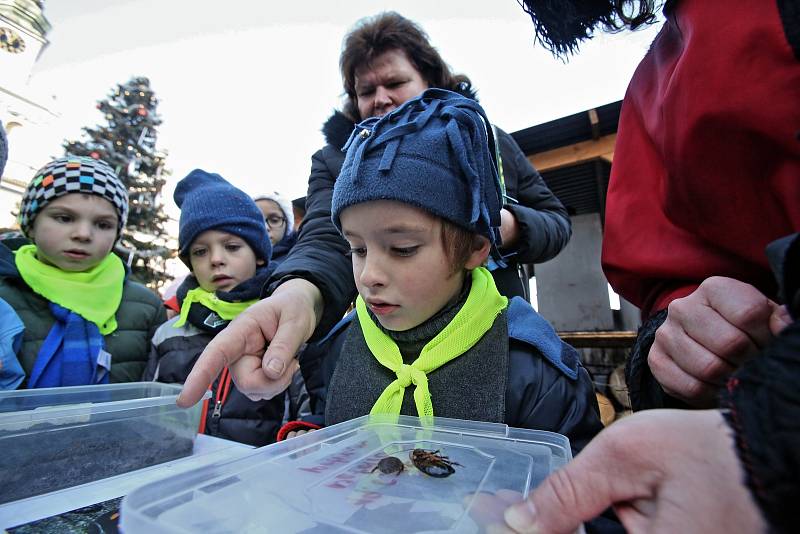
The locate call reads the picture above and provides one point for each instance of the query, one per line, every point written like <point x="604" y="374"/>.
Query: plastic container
<point x="53" y="438"/>
<point x="328" y="481"/>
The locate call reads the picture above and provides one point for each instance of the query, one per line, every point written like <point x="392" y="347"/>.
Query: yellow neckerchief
<point x="484" y="303"/>
<point x="226" y="310"/>
<point x="95" y="294"/>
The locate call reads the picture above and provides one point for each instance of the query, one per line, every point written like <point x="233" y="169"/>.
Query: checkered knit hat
<point x="73" y="174"/>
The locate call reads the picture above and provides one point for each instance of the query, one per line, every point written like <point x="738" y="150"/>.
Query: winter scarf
<point x="484" y="303"/>
<point x="94" y="295"/>
<point x="211" y="312"/>
<point x="72" y="353"/>
<point x="84" y="305"/>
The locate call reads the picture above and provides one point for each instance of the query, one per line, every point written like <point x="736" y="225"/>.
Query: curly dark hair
<point x="373" y="36"/>
<point x="560" y="25"/>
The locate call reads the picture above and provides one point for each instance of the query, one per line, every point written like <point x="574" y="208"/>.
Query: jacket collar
<point x="337" y="129"/>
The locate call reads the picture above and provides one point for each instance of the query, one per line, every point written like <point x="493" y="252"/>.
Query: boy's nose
<point x="217" y="256"/>
<point x="373" y="273"/>
<point x="82" y="231"/>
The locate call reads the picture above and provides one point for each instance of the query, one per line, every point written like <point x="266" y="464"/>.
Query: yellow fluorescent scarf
<point x="484" y="303"/>
<point x="95" y="294"/>
<point x="226" y="310"/>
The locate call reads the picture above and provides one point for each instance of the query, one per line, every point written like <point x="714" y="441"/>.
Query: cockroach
<point x="432" y="463"/>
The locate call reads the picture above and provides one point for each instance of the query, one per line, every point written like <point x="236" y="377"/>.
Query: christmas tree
<point x="128" y="143"/>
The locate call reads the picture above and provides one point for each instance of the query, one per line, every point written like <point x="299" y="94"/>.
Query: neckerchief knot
<point x="484" y="303"/>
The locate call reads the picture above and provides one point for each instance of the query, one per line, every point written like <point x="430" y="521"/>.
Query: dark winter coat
<point x="546" y="392"/>
<point x="138" y="316"/>
<point x="544" y="225"/>
<point x="281" y="249"/>
<point x="762" y="404"/>
<point x="174" y="353"/>
<point x="175" y="350"/>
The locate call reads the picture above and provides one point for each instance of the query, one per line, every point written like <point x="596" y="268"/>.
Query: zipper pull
<point x="217" y="409"/>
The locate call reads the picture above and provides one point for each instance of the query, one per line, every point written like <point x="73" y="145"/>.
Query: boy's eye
<point x="233" y="247"/>
<point x="405" y="251"/>
<point x="198" y="252"/>
<point x="365" y="91"/>
<point x="62" y="218"/>
<point x="358" y="251"/>
<point x="104" y="225"/>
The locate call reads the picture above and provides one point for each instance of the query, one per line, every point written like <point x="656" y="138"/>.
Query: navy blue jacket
<point x="547" y="387"/>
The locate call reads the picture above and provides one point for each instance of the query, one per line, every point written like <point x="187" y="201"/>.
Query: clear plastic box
<point x="329" y="481"/>
<point x="53" y="438"/>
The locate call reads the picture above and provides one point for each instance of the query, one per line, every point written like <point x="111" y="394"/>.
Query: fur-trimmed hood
<point x="337" y="129"/>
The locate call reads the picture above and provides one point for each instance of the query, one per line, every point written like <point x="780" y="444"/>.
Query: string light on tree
<point x="128" y="143"/>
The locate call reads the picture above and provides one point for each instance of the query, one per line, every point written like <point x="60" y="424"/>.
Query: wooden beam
<point x="607" y="339"/>
<point x="574" y="154"/>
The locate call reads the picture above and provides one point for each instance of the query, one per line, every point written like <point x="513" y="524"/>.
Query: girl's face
<point x="221" y="261"/>
<point x="274" y="219"/>
<point x="400" y="266"/>
<point x="75" y="232"/>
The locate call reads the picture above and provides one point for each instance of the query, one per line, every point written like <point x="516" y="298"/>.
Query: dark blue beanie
<point x="208" y="202"/>
<point x="435" y="152"/>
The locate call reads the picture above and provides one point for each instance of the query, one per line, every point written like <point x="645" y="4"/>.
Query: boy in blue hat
<point x="223" y="240"/>
<point x="85" y="321"/>
<point x="419" y="201"/>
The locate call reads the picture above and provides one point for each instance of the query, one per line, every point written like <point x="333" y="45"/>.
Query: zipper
<point x="221" y="395"/>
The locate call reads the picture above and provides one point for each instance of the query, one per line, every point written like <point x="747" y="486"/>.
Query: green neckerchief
<point x="226" y="310"/>
<point x="472" y="321"/>
<point x="95" y="294"/>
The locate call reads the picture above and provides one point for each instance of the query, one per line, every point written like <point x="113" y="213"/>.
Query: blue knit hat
<point x="209" y="202"/>
<point x="435" y="152"/>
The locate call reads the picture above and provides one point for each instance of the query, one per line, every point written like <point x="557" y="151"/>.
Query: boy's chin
<point x="71" y="266"/>
<point x="396" y="326"/>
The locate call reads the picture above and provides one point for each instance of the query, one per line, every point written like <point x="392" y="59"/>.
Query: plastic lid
<point x="68" y="404"/>
<point x="331" y="480"/>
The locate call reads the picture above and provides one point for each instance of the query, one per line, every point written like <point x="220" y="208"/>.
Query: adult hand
<point x="708" y="335"/>
<point x="662" y="470"/>
<point x="509" y="229"/>
<point x="284" y="321"/>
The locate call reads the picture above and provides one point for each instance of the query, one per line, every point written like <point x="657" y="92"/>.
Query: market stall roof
<point x="574" y="155"/>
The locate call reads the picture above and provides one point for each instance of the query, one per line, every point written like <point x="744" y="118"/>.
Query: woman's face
<point x="273" y="218"/>
<point x="386" y="83"/>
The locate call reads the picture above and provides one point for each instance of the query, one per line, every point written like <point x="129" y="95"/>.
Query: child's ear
<point x="480" y="251"/>
<point x="260" y="262"/>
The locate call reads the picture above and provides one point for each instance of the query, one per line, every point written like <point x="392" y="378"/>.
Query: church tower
<point x="23" y="38"/>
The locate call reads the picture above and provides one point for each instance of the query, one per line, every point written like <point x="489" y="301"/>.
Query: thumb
<point x="579" y="491"/>
<point x="779" y="320"/>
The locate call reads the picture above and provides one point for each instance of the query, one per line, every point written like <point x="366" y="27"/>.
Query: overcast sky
<point x="246" y="85"/>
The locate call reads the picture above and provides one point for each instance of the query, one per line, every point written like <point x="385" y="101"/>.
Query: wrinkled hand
<point x="708" y="335"/>
<point x="664" y="471"/>
<point x="285" y="320"/>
